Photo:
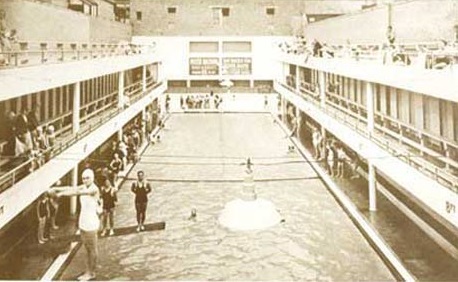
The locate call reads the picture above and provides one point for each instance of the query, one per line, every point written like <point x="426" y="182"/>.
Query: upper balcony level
<point x="373" y="63"/>
<point x="51" y="68"/>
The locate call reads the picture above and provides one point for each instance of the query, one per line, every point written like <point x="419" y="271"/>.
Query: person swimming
<point x="193" y="215"/>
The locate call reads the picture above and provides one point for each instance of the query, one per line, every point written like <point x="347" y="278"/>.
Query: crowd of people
<point x="98" y="195"/>
<point x="334" y="156"/>
<point x="26" y="139"/>
<point x="209" y="101"/>
<point x="98" y="199"/>
<point x="439" y="57"/>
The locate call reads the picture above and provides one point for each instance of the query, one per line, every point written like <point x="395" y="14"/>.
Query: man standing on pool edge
<point x="141" y="188"/>
<point x="88" y="220"/>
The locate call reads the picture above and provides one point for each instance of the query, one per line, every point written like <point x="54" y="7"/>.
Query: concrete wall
<point x="106" y="10"/>
<point x="44" y="22"/>
<point x="102" y="30"/>
<point x="413" y="21"/>
<point x="247" y="17"/>
<point x="175" y="55"/>
<point x="47" y="22"/>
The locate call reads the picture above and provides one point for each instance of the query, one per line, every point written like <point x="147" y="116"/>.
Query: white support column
<point x="76" y="107"/>
<point x="283" y="109"/>
<point x="74" y="184"/>
<point x="120" y="134"/>
<point x="188" y="83"/>
<point x="370" y="106"/>
<point x="144" y="78"/>
<point x="251" y="83"/>
<point x="372" y="187"/>
<point x="322" y="88"/>
<point x="121" y="89"/>
<point x="144" y="121"/>
<point x="297" y="78"/>
<point x="298" y="121"/>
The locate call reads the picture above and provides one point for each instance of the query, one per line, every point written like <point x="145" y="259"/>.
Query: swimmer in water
<point x="193" y="214"/>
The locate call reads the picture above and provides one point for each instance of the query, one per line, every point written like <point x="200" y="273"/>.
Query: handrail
<point x="41" y="54"/>
<point x="17" y="173"/>
<point x="431" y="51"/>
<point x="436" y="172"/>
<point x="398" y="122"/>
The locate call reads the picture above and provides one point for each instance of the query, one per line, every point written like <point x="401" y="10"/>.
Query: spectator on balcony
<point x="390" y="35"/>
<point x="10" y="134"/>
<point x="327" y="51"/>
<point x="8" y="39"/>
<point x="22" y="130"/>
<point x="317" y="49"/>
<point x="400" y="57"/>
<point x="32" y="117"/>
<point x="332" y="87"/>
<point x="40" y="143"/>
<point x="443" y="57"/>
<point x="51" y="136"/>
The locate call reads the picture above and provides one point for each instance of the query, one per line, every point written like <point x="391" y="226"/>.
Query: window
<point x="225" y="12"/>
<point x="270" y="11"/>
<point x="172" y="10"/>
<point x="218" y="13"/>
<point x="139" y="16"/>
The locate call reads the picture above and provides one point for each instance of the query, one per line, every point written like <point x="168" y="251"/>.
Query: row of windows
<point x="423" y="112"/>
<point x="217" y="11"/>
<point x="57" y="101"/>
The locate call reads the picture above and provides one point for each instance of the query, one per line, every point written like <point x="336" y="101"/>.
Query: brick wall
<point x="36" y="21"/>
<point x="246" y="17"/>
<point x="108" y="31"/>
<point x="106" y="10"/>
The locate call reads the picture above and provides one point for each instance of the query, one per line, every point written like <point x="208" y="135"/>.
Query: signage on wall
<point x="237" y="66"/>
<point x="203" y="66"/>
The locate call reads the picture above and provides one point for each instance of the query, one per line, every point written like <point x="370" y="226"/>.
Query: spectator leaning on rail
<point x="9" y="128"/>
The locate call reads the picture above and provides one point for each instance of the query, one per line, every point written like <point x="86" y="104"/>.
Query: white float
<point x="249" y="213"/>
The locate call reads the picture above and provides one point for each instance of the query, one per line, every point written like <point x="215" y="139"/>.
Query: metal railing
<point x="424" y="54"/>
<point x="441" y="175"/>
<point x="36" y="53"/>
<point x="109" y="111"/>
<point x="219" y="89"/>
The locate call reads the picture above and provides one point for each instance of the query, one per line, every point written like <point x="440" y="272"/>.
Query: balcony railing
<point x="89" y="123"/>
<point x="34" y="53"/>
<point x="359" y="124"/>
<point x="429" y="55"/>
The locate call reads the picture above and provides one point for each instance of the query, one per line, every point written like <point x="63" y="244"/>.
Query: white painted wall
<point x="175" y="55"/>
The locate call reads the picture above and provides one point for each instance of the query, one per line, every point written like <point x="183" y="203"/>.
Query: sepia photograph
<point x="229" y="140"/>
